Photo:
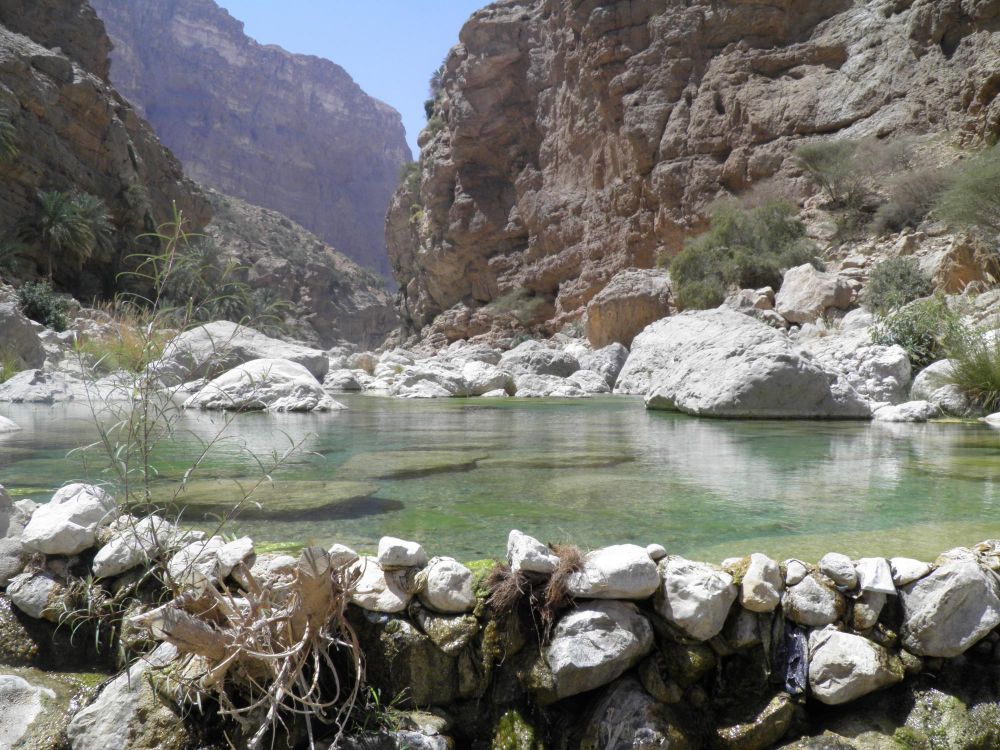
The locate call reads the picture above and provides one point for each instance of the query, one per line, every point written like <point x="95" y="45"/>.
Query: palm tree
<point x="58" y="228"/>
<point x="8" y="136"/>
<point x="94" y="212"/>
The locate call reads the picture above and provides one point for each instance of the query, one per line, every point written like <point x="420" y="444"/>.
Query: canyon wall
<point x="293" y="133"/>
<point x="571" y="140"/>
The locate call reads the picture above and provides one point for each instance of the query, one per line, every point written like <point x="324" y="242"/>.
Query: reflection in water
<point x="459" y="474"/>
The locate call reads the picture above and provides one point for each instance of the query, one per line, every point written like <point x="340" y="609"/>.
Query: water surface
<point x="458" y="474"/>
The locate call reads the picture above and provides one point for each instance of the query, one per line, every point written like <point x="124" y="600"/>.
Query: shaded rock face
<point x="577" y="139"/>
<point x="74" y="131"/>
<point x="332" y="298"/>
<point x="290" y="132"/>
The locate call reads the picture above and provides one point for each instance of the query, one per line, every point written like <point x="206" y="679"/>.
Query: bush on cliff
<point x="911" y="197"/>
<point x="927" y="329"/>
<point x="893" y="283"/>
<point x="973" y="197"/>
<point x="38" y="302"/>
<point x="742" y="248"/>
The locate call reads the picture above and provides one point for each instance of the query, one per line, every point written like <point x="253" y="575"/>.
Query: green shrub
<point x="975" y="369"/>
<point x="435" y="125"/>
<point x="409" y="176"/>
<point x="8" y="136"/>
<point x="833" y="167"/>
<point x="893" y="283"/>
<point x="38" y="302"/>
<point x="973" y="197"/>
<point x="911" y="197"/>
<point x="927" y="329"/>
<point x="520" y="303"/>
<point x="743" y="248"/>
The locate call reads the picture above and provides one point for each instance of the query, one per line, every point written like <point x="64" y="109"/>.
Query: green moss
<point x="514" y="733"/>
<point x="910" y="739"/>
<point x="279" y="548"/>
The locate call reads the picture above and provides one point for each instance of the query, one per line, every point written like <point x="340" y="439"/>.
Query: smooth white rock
<point x="546" y="386"/>
<point x="535" y="358"/>
<point x="589" y="381"/>
<point x="811" y="603"/>
<point x="760" y="590"/>
<point x="527" y="554"/>
<point x="608" y="361"/>
<point x="196" y="564"/>
<point x="399" y="553"/>
<point x="695" y="596"/>
<point x="930" y="379"/>
<point x="342" y="556"/>
<point x="482" y="378"/>
<point x="378" y="590"/>
<point x="622" y="571"/>
<point x="656" y="551"/>
<point x="132" y="546"/>
<point x="34" y="594"/>
<point x="445" y="586"/>
<point x="875" y="574"/>
<point x="233" y="553"/>
<point x="907" y="570"/>
<point x="911" y="411"/>
<point x="795" y="571"/>
<point x="839" y="569"/>
<point x="276" y="385"/>
<point x="843" y="667"/>
<point x="68" y="523"/>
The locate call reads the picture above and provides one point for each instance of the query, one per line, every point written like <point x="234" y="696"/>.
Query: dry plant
<point x="271" y="650"/>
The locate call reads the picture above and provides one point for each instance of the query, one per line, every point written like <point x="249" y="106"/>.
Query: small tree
<point x="832" y="166"/>
<point x="973" y="198"/>
<point x="94" y="213"/>
<point x="58" y="228"/>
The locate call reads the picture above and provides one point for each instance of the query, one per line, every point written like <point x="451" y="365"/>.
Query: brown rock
<point x="290" y="132"/>
<point x="573" y="140"/>
<point x="633" y="299"/>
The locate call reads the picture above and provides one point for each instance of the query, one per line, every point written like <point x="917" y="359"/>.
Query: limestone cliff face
<point x="290" y="132"/>
<point x="331" y="298"/>
<point x="574" y="139"/>
<point x="74" y="132"/>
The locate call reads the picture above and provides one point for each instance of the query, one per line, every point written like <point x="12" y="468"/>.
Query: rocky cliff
<point x="332" y="299"/>
<point x="73" y="131"/>
<point x="289" y="132"/>
<point x="573" y="139"/>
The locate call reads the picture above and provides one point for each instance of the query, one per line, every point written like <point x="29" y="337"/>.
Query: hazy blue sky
<point x="390" y="47"/>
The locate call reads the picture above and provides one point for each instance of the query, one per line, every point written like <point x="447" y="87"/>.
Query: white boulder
<point x="527" y="554"/>
<point x="399" y="553"/>
<point x="875" y="574"/>
<point x="134" y="545"/>
<point x="761" y="587"/>
<point x="839" y="569"/>
<point x="546" y="386"/>
<point x="843" y="666"/>
<point x="264" y="384"/>
<point x="806" y="293"/>
<point x="68" y="523"/>
<point x="536" y="358"/>
<point x="622" y="571"/>
<point x="36" y="594"/>
<point x="695" y="596"/>
<point x="811" y="603"/>
<point x="445" y="586"/>
<point x="378" y="590"/>
<point x="482" y="378"/>
<point x="608" y="361"/>
<point x="910" y="411"/>
<point x="907" y="570"/>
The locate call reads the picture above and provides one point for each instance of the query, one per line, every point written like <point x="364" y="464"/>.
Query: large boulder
<point x="428" y="379"/>
<point x="608" y="361"/>
<point x="949" y="610"/>
<point x="213" y="348"/>
<point x="813" y="603"/>
<point x="633" y="299"/>
<point x="806" y="294"/>
<point x="535" y="358"/>
<point x="68" y="523"/>
<point x="377" y="589"/>
<point x="936" y="375"/>
<point x="264" y="384"/>
<point x="695" y="596"/>
<point x="20" y="337"/>
<point x="879" y="373"/>
<point x="622" y="571"/>
<point x="594" y="644"/>
<point x="723" y="364"/>
<point x="546" y="386"/>
<point x="843" y="666"/>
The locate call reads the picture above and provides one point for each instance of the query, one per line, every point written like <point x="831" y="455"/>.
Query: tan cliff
<point x="572" y="140"/>
<point x="290" y="132"/>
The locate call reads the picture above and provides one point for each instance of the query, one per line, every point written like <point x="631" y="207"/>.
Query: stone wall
<point x="623" y="647"/>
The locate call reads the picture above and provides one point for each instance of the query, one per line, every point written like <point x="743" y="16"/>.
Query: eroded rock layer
<point x="572" y="140"/>
<point x="290" y="132"/>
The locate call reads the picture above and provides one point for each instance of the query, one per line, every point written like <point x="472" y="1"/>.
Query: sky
<point x="390" y="47"/>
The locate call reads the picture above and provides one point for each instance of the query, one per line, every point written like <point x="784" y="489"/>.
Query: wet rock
<point x="445" y="586"/>
<point x="760" y="731"/>
<point x="843" y="667"/>
<point x="379" y="590"/>
<point x="811" y="603"/>
<point x="594" y="644"/>
<point x="623" y="571"/>
<point x="22" y="704"/>
<point x="482" y="377"/>
<point x="724" y="364"/>
<point x="68" y="523"/>
<point x="911" y="411"/>
<point x="449" y="633"/>
<point x="950" y="609"/>
<point x="696" y="597"/>
<point x="220" y="346"/>
<point x="276" y="385"/>
<point x="627" y="718"/>
<point x="589" y="381"/>
<point x="688" y="663"/>
<point x="525" y="553"/>
<point x="399" y="553"/>
<point x="657" y="681"/>
<point x="761" y="587"/>
<point x="546" y="386"/>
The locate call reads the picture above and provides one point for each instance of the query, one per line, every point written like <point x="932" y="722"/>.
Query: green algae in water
<point x="462" y="473"/>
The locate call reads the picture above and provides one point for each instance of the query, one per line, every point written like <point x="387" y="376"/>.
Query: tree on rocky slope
<point x="59" y="229"/>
